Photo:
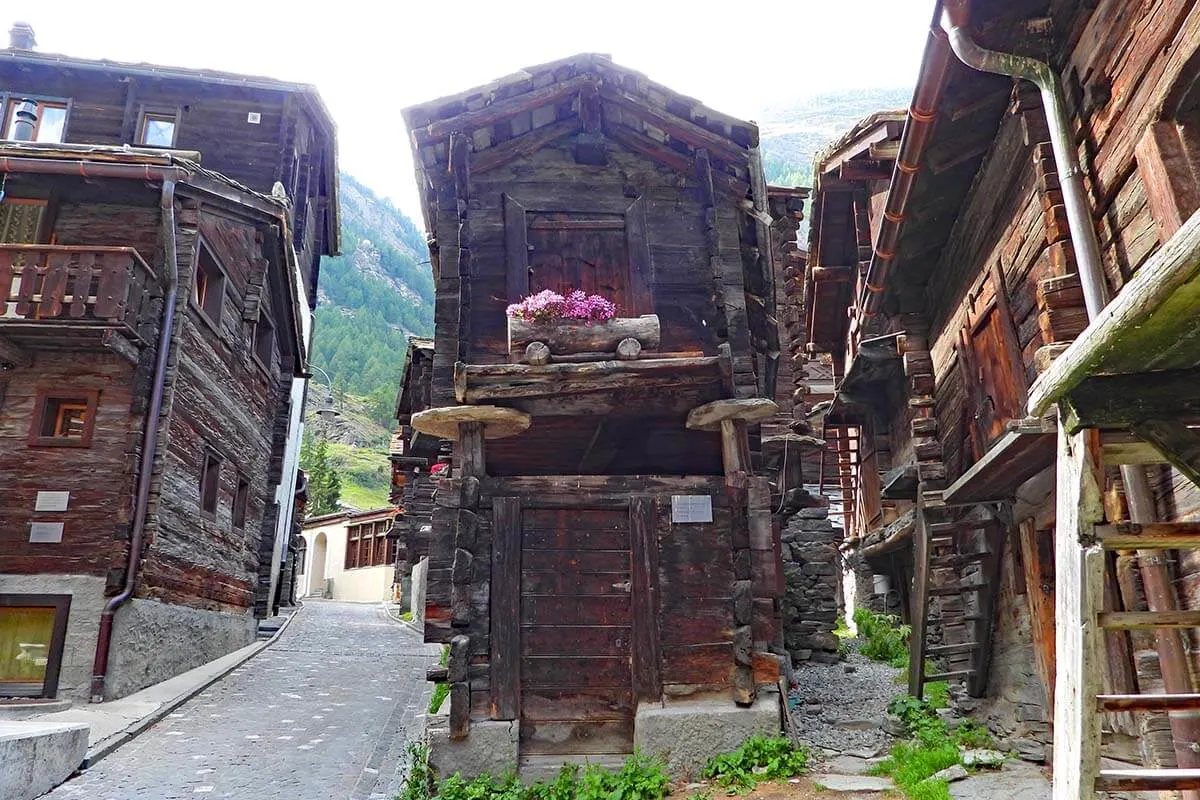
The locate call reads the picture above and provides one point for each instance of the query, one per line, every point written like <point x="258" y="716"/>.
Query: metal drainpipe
<point x="149" y="445"/>
<point x="1156" y="576"/>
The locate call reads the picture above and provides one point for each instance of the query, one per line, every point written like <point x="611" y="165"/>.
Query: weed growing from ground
<point x="760" y="758"/>
<point x="884" y="637"/>
<point x="932" y="748"/>
<point x="640" y="778"/>
<point x="440" y="690"/>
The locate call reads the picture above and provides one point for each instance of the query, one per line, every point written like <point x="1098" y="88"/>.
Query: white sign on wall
<point x="45" y="532"/>
<point x="52" y="501"/>
<point x="691" y="508"/>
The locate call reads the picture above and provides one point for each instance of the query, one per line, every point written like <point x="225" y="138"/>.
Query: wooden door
<point x="991" y="359"/>
<point x="576" y="673"/>
<point x="599" y="252"/>
<point x="569" y="252"/>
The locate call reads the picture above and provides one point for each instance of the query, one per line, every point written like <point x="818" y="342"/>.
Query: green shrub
<point x="640" y="778"/>
<point x="760" y="758"/>
<point x="884" y="637"/>
<point x="937" y="694"/>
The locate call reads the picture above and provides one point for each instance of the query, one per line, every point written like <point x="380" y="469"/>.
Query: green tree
<point x="324" y="483"/>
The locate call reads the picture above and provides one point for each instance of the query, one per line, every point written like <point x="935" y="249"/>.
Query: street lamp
<point x="327" y="411"/>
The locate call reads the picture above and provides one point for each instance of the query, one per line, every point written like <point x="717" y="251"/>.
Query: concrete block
<point x="490" y="747"/>
<point x="37" y="756"/>
<point x="686" y="734"/>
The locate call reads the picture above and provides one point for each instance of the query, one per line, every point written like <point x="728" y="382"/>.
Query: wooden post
<point x="506" y="608"/>
<point x="1037" y="556"/>
<point x="1079" y="574"/>
<point x="920" y="597"/>
<point x="470" y="444"/>
<point x="734" y="446"/>
<point x="647" y="678"/>
<point x="458" y="674"/>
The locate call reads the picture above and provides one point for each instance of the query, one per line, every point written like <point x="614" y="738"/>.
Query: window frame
<point x="255" y="344"/>
<point x="8" y="109"/>
<point x="58" y="636"/>
<point x="211" y="458"/>
<point x="241" y="502"/>
<point x="364" y="543"/>
<point x="43" y="398"/>
<point x="175" y="114"/>
<point x="213" y="320"/>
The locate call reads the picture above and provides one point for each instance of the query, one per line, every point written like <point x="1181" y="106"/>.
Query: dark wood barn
<point x="603" y="561"/>
<point x="152" y="350"/>
<point x="990" y="252"/>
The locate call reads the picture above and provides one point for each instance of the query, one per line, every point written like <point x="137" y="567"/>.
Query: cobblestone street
<point x="323" y="714"/>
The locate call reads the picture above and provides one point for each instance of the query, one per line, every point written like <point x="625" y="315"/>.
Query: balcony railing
<point x="63" y="284"/>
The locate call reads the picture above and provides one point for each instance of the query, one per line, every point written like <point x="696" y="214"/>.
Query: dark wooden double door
<point x="576" y="632"/>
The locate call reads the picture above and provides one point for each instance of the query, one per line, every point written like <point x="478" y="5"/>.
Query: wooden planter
<point x="621" y="337"/>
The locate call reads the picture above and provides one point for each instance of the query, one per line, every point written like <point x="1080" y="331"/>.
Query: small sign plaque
<point x="52" y="501"/>
<point x="691" y="508"/>
<point x="45" y="532"/>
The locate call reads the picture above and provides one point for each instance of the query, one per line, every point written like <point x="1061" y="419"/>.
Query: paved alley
<point x="323" y="714"/>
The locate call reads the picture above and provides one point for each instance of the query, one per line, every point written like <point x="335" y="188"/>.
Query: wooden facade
<point x="562" y="572"/>
<point x="972" y="285"/>
<point x="82" y="294"/>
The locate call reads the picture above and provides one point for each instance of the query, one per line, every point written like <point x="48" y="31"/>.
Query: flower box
<point x="567" y="337"/>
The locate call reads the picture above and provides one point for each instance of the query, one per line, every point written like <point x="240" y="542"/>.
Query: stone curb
<point x="410" y="625"/>
<point x="127" y="734"/>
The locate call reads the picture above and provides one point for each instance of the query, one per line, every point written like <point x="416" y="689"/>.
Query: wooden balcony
<point x="66" y="297"/>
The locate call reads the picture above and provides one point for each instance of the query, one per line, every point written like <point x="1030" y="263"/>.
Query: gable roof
<point x="586" y="93"/>
<point x="309" y="98"/>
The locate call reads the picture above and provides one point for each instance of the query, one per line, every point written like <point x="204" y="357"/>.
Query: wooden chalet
<point x="155" y="286"/>
<point x="967" y="320"/>
<point x="603" y="561"/>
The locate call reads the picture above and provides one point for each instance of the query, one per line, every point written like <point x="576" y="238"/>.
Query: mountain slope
<point x="372" y="297"/>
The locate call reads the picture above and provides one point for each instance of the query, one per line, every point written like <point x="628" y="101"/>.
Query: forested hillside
<point x="372" y="297"/>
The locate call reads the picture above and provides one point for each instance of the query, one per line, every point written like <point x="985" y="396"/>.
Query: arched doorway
<point x="316" y="570"/>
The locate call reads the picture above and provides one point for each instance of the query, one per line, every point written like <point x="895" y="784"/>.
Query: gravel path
<point x="842" y="707"/>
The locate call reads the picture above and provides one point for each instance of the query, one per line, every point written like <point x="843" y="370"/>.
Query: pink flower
<point x="549" y="306"/>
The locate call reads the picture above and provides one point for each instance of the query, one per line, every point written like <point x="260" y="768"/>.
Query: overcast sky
<point x="371" y="59"/>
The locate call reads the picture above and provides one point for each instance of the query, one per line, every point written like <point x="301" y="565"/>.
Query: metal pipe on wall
<point x="1156" y="576"/>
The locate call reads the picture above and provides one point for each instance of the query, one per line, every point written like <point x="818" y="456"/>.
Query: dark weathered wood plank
<point x="647" y="678"/>
<point x="516" y="249"/>
<point x="920" y="596"/>
<point x="1148" y="702"/>
<point x="506" y="609"/>
<point x="1147" y="780"/>
<point x="1161" y="535"/>
<point x="1177" y="442"/>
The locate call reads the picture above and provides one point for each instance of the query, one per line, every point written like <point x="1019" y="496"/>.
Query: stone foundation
<point x="491" y="747"/>
<point x="686" y="735"/>
<point x="154" y="641"/>
<point x="812" y="572"/>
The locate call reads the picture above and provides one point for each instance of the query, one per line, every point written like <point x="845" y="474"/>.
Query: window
<point x="210" y="481"/>
<point x="367" y="545"/>
<point x="240" y="501"/>
<point x="50" y="119"/>
<point x="63" y="420"/>
<point x="33" y="628"/>
<point x="158" y="128"/>
<point x="264" y="340"/>
<point x="210" y="286"/>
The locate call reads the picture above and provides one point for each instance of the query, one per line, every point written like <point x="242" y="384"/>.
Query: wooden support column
<point x="920" y="597"/>
<point x="1037" y="557"/>
<point x="647" y="675"/>
<point x="1079" y="593"/>
<point x="506" y="609"/>
<point x="735" y="447"/>
<point x="471" y="454"/>
<point x="458" y="675"/>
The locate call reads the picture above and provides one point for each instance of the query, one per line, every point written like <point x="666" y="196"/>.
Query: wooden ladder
<point x="938" y="546"/>
<point x="1081" y="543"/>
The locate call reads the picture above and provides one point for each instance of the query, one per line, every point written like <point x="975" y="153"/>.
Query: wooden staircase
<point x="955" y="555"/>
